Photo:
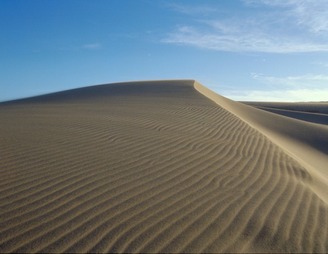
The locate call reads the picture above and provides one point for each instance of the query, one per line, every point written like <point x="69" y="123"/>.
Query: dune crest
<point x="305" y="142"/>
<point x="157" y="167"/>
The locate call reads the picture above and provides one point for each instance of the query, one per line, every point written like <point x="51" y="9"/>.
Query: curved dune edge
<point x="305" y="107"/>
<point x="307" y="143"/>
<point x="318" y="118"/>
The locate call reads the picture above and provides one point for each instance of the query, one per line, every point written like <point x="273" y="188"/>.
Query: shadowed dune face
<point x="149" y="167"/>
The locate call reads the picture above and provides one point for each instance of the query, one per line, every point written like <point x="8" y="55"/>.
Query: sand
<point x="311" y="112"/>
<point x="159" y="166"/>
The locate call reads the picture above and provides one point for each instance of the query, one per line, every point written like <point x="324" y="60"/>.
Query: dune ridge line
<point x="305" y="142"/>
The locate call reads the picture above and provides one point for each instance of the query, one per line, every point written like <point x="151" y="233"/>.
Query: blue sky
<point x="265" y="50"/>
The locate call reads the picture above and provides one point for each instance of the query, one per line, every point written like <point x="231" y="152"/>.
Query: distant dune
<point x="161" y="166"/>
<point x="311" y="112"/>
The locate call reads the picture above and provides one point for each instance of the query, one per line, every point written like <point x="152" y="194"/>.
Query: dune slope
<point x="304" y="141"/>
<point x="309" y="107"/>
<point x="310" y="112"/>
<point x="157" y="167"/>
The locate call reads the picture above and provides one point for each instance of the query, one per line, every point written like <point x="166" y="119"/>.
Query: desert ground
<point x="162" y="167"/>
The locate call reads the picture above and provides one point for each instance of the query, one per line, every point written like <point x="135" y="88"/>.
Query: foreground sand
<point x="165" y="166"/>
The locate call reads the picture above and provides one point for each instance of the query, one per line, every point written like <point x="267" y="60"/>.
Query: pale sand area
<point x="310" y="107"/>
<point x="311" y="112"/>
<point x="159" y="166"/>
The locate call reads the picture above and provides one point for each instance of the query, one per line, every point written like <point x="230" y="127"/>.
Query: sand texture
<point x="159" y="166"/>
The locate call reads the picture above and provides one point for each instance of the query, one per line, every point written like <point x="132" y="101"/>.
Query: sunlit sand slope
<point x="153" y="166"/>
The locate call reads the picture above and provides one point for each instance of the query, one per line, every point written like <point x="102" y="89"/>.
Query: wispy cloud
<point x="322" y="64"/>
<point x="241" y="41"/>
<point x="289" y="95"/>
<point x="309" y="87"/>
<point x="307" y="13"/>
<point x="288" y="26"/>
<point x="92" y="46"/>
<point x="308" y="81"/>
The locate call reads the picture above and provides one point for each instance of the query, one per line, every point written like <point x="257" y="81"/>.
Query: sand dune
<point x="309" y="107"/>
<point x="305" y="116"/>
<point x="310" y="112"/>
<point x="159" y="166"/>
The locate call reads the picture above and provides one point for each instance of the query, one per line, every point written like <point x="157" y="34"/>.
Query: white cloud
<point x="322" y="64"/>
<point x="308" y="81"/>
<point x="289" y="95"/>
<point x="309" y="87"/>
<point x="241" y="42"/>
<point x="312" y="14"/>
<point x="288" y="26"/>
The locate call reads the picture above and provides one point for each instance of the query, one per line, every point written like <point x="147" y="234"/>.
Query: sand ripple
<point x="150" y="167"/>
